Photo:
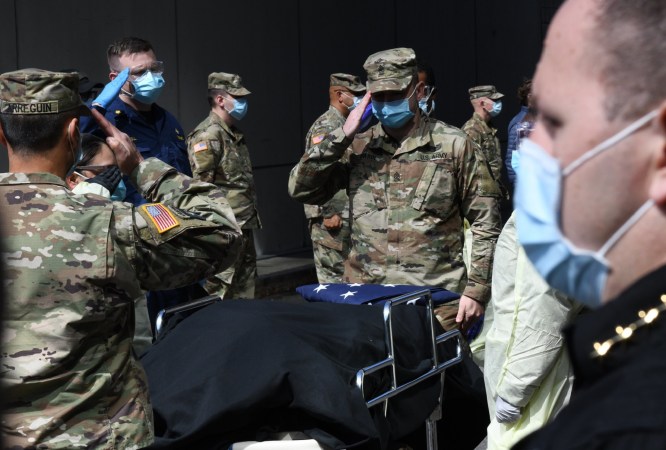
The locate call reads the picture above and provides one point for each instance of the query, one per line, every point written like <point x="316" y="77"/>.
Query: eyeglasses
<point x="95" y="169"/>
<point x="140" y="70"/>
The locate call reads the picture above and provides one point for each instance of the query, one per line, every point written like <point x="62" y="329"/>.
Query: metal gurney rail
<point x="438" y="367"/>
<point x="430" y="342"/>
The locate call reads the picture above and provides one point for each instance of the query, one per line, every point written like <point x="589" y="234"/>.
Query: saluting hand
<point x="127" y="156"/>
<point x="351" y="126"/>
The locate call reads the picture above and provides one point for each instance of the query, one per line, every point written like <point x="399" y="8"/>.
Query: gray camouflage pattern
<point x="239" y="280"/>
<point x="351" y="82"/>
<point x="225" y="162"/>
<point x="229" y="82"/>
<point x="485" y="139"/>
<point x="330" y="247"/>
<point x="74" y="264"/>
<point x="37" y="91"/>
<point x="408" y="201"/>
<point x="390" y="70"/>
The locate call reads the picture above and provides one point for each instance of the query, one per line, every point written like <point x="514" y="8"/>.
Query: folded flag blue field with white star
<point x="358" y="294"/>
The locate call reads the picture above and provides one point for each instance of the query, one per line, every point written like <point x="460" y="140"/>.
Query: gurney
<point x="386" y="366"/>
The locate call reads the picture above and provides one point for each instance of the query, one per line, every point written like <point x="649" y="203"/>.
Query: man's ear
<point x="72" y="180"/>
<point x="658" y="187"/>
<point x="420" y="90"/>
<point x="219" y="100"/>
<point x="73" y="131"/>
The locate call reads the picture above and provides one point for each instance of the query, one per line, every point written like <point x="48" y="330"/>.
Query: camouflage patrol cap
<point x="227" y="81"/>
<point x="390" y="70"/>
<point x="36" y="91"/>
<point x="484" y="91"/>
<point x="351" y="82"/>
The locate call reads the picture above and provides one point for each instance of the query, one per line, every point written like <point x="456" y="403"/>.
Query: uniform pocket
<point x="436" y="190"/>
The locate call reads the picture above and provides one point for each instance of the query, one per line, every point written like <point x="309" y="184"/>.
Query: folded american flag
<point x="371" y="294"/>
<point x="358" y="294"/>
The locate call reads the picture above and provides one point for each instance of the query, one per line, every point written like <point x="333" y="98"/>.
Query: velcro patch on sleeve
<point x="163" y="219"/>
<point x="317" y="139"/>
<point x="200" y="146"/>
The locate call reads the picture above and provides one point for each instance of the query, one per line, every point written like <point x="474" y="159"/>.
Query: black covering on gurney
<point x="235" y="370"/>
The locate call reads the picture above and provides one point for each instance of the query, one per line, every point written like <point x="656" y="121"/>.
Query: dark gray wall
<point x="284" y="51"/>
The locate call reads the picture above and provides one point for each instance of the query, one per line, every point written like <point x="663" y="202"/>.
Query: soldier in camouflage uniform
<point x="411" y="180"/>
<point x="75" y="262"/>
<point x="218" y="155"/>
<point x="329" y="223"/>
<point x="486" y="104"/>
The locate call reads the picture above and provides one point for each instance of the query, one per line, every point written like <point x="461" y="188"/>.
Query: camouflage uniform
<point x="408" y="198"/>
<point x="218" y="155"/>
<point x="330" y="247"/>
<point x="483" y="135"/>
<point x="485" y="139"/>
<point x="74" y="263"/>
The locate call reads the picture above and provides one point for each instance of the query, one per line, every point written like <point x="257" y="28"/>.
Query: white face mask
<point x="577" y="272"/>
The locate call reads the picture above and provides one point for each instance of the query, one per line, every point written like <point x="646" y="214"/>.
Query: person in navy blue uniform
<point x="153" y="129"/>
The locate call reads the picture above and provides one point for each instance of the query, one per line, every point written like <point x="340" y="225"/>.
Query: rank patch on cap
<point x="317" y="139"/>
<point x="200" y="146"/>
<point x="161" y="216"/>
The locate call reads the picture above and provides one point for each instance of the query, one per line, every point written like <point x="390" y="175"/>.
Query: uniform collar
<point x="485" y="126"/>
<point x="417" y="138"/>
<point x="36" y="178"/>
<point x="333" y="110"/>
<point x="600" y="325"/>
<point x="232" y="131"/>
<point x="119" y="108"/>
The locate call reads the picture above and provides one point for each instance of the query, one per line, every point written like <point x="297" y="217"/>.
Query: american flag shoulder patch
<point x="200" y="146"/>
<point x="317" y="139"/>
<point x="163" y="219"/>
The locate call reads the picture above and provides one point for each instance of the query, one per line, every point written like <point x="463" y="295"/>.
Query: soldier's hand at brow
<point x="350" y="128"/>
<point x="127" y="156"/>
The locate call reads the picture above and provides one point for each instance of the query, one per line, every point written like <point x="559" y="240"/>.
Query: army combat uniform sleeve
<point x="321" y="173"/>
<point x="205" y="153"/>
<point x="329" y="121"/>
<point x="184" y="233"/>
<point x="480" y="196"/>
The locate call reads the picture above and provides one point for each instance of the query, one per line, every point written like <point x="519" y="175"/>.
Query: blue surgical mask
<point x="148" y="87"/>
<point x="393" y="114"/>
<point x="423" y="104"/>
<point x="497" y="108"/>
<point x="579" y="273"/>
<point x="357" y="100"/>
<point x="515" y="160"/>
<point x="239" y="109"/>
<point x="119" y="193"/>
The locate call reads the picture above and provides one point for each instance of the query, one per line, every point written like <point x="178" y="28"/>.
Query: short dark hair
<point x="212" y="93"/>
<point x="128" y="45"/>
<point x="29" y="134"/>
<point x="630" y="39"/>
<point x="90" y="147"/>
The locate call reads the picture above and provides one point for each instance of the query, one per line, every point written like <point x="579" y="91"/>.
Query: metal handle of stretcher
<point x="194" y="304"/>
<point x="438" y="367"/>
